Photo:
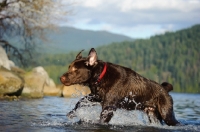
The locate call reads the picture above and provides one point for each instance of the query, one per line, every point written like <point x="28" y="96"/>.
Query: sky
<point x="133" y="18"/>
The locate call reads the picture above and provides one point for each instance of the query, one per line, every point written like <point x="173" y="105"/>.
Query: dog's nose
<point x="62" y="78"/>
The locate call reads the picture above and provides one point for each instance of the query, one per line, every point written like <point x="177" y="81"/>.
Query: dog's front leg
<point x="84" y="101"/>
<point x="107" y="114"/>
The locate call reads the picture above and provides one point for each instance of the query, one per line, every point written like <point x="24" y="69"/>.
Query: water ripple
<point x="49" y="114"/>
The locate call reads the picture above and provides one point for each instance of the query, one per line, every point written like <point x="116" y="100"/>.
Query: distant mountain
<point x="71" y="39"/>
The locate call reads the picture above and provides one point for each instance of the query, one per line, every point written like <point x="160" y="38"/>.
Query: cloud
<point x="91" y="4"/>
<point x="181" y="5"/>
<point x="119" y="16"/>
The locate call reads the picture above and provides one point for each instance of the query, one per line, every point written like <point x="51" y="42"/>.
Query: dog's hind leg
<point x="165" y="107"/>
<point x="154" y="116"/>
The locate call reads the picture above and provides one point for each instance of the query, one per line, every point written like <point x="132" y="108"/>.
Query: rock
<point x="75" y="91"/>
<point x="4" y="61"/>
<point x="10" y="98"/>
<point x="51" y="89"/>
<point x="35" y="81"/>
<point x="35" y="84"/>
<point x="18" y="70"/>
<point x="10" y="83"/>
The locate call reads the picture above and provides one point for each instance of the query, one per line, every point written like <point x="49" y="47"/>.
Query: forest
<point x="173" y="57"/>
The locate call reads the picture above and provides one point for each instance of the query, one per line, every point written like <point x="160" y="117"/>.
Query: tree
<point x="25" y="21"/>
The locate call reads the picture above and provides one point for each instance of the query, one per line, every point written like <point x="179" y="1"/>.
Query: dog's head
<point x="79" y="71"/>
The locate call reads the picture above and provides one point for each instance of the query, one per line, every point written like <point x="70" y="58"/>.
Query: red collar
<point x="102" y="73"/>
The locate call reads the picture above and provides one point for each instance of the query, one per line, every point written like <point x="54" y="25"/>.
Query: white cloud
<point x="181" y="5"/>
<point x="91" y="4"/>
<point x="130" y="16"/>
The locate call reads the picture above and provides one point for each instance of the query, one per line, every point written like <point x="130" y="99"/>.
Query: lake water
<point x="49" y="114"/>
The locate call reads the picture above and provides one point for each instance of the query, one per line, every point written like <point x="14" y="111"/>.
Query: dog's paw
<point x="102" y="122"/>
<point x="106" y="114"/>
<point x="180" y="124"/>
<point x="71" y="114"/>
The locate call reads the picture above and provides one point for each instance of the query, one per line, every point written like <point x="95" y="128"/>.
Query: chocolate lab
<point x="118" y="87"/>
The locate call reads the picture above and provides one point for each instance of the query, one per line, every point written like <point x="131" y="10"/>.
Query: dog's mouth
<point x="67" y="84"/>
<point x="64" y="80"/>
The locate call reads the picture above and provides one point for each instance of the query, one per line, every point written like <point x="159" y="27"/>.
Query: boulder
<point x="15" y="81"/>
<point x="51" y="89"/>
<point x="36" y="82"/>
<point x="75" y="91"/>
<point x="10" y="83"/>
<point x="4" y="61"/>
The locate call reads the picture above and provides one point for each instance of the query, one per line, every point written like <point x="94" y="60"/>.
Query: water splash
<point x="91" y="114"/>
<point x="126" y="119"/>
<point x="129" y="118"/>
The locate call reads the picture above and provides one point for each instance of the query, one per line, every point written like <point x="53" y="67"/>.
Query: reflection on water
<point x="49" y="114"/>
<point x="186" y="107"/>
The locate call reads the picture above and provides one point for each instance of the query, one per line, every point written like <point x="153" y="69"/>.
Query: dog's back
<point x="128" y="89"/>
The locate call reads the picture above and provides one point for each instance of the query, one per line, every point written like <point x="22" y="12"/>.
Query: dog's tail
<point x="167" y="86"/>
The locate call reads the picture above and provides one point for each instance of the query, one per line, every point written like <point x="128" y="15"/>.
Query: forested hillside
<point x="172" y="57"/>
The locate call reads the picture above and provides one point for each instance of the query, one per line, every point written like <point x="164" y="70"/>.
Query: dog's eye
<point x="74" y="68"/>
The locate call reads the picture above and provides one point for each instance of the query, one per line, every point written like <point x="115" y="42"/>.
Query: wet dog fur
<point x="120" y="87"/>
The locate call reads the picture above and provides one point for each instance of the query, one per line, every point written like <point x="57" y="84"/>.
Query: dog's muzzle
<point x="63" y="79"/>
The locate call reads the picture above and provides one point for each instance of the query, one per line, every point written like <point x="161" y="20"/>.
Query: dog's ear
<point x="92" y="57"/>
<point x="79" y="55"/>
